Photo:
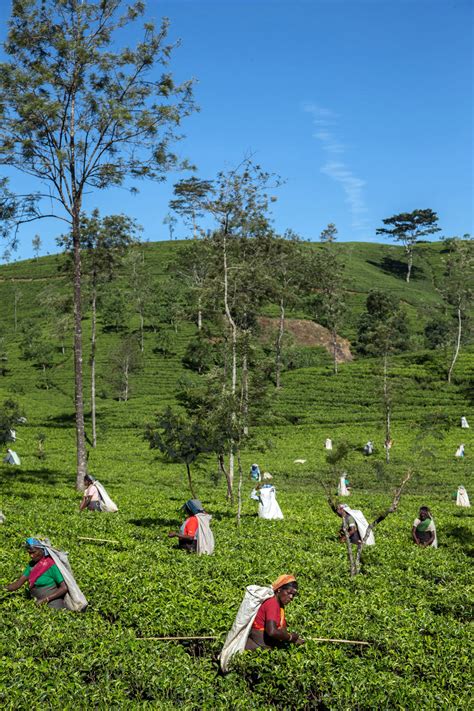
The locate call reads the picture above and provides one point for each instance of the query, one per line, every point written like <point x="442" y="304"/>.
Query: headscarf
<point x="283" y="580"/>
<point x="90" y="478"/>
<point x="36" y="543"/>
<point x="194" y="506"/>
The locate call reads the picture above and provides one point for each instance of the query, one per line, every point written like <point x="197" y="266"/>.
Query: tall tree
<point x="36" y="244"/>
<point x="383" y="331"/>
<point x="124" y="360"/>
<point x="330" y="275"/>
<point x="104" y="242"/>
<point x="79" y="114"/>
<point x="140" y="287"/>
<point x="407" y="227"/>
<point x="286" y="275"/>
<point x="170" y="220"/>
<point x="458" y="289"/>
<point x="190" y="195"/>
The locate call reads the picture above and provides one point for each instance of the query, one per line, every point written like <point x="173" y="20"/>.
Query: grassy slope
<point x="143" y="587"/>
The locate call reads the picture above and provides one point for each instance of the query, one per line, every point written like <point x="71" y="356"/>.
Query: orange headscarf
<point x="283" y="580"/>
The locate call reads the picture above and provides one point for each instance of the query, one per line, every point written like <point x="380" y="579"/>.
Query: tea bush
<point x="414" y="606"/>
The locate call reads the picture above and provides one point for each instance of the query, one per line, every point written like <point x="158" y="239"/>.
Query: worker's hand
<point x="300" y="640"/>
<point x="44" y="601"/>
<point x="8" y="587"/>
<point x="171" y="534"/>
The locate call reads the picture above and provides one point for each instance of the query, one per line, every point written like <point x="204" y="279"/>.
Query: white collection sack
<point x="462" y="499"/>
<point x="106" y="503"/>
<point x="328" y="444"/>
<point x="464" y="423"/>
<point x="268" y="507"/>
<point x="362" y="525"/>
<point x="460" y="451"/>
<point x="240" y="630"/>
<point x="12" y="458"/>
<point x="205" y="538"/>
<point x="342" y="489"/>
<point x="75" y="600"/>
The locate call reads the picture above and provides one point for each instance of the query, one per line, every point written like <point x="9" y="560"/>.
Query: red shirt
<point x="190" y="527"/>
<point x="270" y="610"/>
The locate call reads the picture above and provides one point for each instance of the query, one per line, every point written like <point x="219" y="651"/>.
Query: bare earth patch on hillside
<point x="307" y="333"/>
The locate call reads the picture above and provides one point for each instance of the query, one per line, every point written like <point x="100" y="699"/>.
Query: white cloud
<point x="325" y="122"/>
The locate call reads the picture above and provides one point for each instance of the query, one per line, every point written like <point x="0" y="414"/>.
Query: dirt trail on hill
<point x="307" y="333"/>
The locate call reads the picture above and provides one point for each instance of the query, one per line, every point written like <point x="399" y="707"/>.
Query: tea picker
<point x="12" y="458"/>
<point x="195" y="535"/>
<point x="460" y="451"/>
<point x="95" y="497"/>
<point x="462" y="499"/>
<point x="424" y="529"/>
<point x="464" y="423"/>
<point x="356" y="525"/>
<point x="261" y="622"/>
<point x="49" y="577"/>
<point x="268" y="507"/>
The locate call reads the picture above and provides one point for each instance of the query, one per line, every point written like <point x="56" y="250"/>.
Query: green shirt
<point x="52" y="577"/>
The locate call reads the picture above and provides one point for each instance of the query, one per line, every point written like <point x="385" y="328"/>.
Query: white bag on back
<point x="106" y="503"/>
<point x="342" y="489"/>
<point x="362" y="525"/>
<point x="268" y="507"/>
<point x="75" y="600"/>
<point x="462" y="499"/>
<point x="205" y="538"/>
<point x="240" y="630"/>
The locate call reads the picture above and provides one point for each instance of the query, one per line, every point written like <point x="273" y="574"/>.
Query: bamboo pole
<point x="308" y="639"/>
<point x="169" y="639"/>
<point x="100" y="540"/>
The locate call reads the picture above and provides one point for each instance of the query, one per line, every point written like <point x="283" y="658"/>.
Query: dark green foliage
<point x="114" y="309"/>
<point x="10" y="412"/>
<point x="124" y="361"/>
<point x="179" y="439"/>
<point x="437" y="333"/>
<point x="200" y="354"/>
<point x="408" y="227"/>
<point x="383" y="328"/>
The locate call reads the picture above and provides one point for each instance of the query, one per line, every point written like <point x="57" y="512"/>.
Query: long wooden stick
<point x="309" y="639"/>
<point x="339" y="641"/>
<point x="169" y="639"/>
<point x="100" y="540"/>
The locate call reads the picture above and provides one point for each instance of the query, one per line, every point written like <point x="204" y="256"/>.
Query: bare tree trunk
<point x="350" y="553"/>
<point x="387" y="409"/>
<point x="233" y="327"/>
<point x="245" y="390"/>
<point x="230" y="492"/>
<point x="239" y="494"/>
<point x="93" y="349"/>
<point x="410" y="263"/>
<point x="125" y="374"/>
<point x="278" y="344"/>
<point x="458" y="343"/>
<point x="199" y="314"/>
<point x="391" y="509"/>
<point x="81" y="457"/>
<point x="45" y="377"/>
<point x="190" y="481"/>
<point x="142" y="330"/>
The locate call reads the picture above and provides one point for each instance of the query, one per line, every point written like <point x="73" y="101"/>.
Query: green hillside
<point x="413" y="605"/>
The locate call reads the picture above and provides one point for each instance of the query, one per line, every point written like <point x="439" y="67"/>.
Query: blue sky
<point x="364" y="107"/>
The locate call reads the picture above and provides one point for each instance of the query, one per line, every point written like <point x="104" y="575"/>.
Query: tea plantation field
<point x="413" y="605"/>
